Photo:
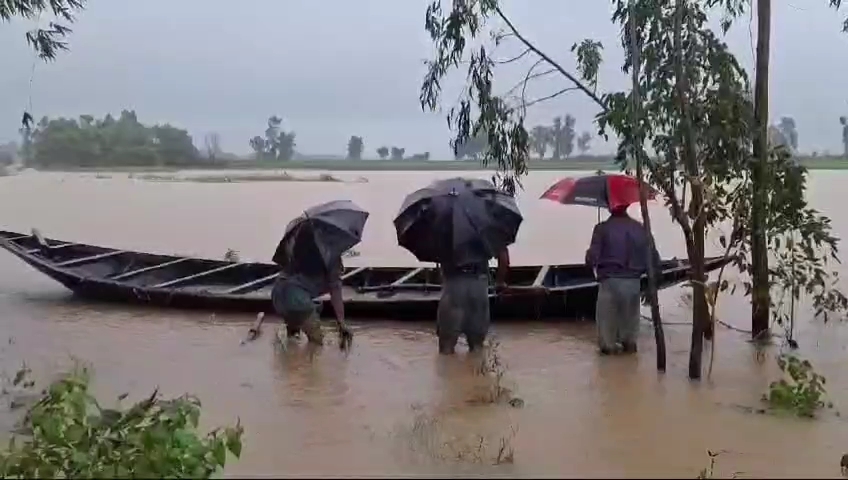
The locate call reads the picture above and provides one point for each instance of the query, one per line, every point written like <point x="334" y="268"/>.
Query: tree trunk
<point x="760" y="300"/>
<point x="638" y="155"/>
<point x="695" y="243"/>
<point x="698" y="277"/>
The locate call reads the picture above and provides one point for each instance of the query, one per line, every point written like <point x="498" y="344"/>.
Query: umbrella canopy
<point x="319" y="236"/>
<point x="457" y="221"/>
<point x="603" y="191"/>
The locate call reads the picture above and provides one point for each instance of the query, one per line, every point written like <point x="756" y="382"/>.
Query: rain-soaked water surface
<point x="393" y="406"/>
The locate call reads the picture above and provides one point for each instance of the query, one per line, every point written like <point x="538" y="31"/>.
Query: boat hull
<point x="558" y="292"/>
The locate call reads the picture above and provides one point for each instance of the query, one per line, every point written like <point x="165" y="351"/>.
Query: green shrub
<point x="801" y="391"/>
<point x="66" y="433"/>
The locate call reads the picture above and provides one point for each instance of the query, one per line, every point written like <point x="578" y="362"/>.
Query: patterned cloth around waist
<point x="289" y="296"/>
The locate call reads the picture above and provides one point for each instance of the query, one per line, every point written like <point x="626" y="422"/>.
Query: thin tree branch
<point x="674" y="202"/>
<point x="548" y="97"/>
<point x="550" y="61"/>
<point x="523" y="83"/>
<point x="501" y="36"/>
<point x="510" y="60"/>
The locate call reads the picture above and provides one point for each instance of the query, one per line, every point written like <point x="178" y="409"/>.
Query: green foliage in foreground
<point x="801" y="391"/>
<point x="66" y="433"/>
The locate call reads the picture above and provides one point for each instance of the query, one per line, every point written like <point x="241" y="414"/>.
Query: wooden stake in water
<point x="255" y="329"/>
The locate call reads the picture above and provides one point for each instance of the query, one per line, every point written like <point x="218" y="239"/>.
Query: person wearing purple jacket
<point x="619" y="256"/>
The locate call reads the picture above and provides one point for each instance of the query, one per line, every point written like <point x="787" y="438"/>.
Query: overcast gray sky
<point x="336" y="68"/>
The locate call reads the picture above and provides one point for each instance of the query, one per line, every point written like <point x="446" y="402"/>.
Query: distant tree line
<point x="560" y="137"/>
<point x="91" y="142"/>
<point x="124" y="141"/>
<point x="785" y="133"/>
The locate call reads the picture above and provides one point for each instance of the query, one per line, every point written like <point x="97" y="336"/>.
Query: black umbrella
<point x="457" y="221"/>
<point x="318" y="237"/>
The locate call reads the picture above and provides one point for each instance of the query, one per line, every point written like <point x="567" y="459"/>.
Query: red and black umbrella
<point x="602" y="191"/>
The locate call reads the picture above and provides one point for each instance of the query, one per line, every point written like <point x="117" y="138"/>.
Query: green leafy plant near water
<point x="67" y="433"/>
<point x="801" y="391"/>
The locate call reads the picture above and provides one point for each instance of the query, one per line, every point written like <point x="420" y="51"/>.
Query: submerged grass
<point x="434" y="437"/>
<point x="710" y="470"/>
<point x="494" y="369"/>
<point x="447" y="437"/>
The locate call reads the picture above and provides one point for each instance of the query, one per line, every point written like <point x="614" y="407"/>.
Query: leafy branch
<point x="837" y="4"/>
<point x="47" y="42"/>
<point x="481" y="111"/>
<point x="68" y="434"/>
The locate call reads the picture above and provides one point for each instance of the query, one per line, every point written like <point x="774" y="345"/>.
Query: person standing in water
<point x="464" y="304"/>
<point x="844" y="122"/>
<point x="618" y="254"/>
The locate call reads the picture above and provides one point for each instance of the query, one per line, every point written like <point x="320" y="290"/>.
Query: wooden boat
<point x="536" y="292"/>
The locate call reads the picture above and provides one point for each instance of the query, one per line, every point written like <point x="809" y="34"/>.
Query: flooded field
<point x="393" y="406"/>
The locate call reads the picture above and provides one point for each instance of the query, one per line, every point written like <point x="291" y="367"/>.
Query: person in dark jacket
<point x="619" y="256"/>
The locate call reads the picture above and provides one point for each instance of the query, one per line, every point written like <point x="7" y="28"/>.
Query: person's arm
<point x="336" y="299"/>
<point x="503" y="267"/>
<point x="594" y="251"/>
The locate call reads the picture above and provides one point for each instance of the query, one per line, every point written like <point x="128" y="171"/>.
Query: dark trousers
<point x="463" y="310"/>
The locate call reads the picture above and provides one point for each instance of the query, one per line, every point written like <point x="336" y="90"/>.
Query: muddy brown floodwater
<point x="393" y="406"/>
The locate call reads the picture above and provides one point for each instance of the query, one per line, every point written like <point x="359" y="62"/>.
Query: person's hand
<point x="345" y="336"/>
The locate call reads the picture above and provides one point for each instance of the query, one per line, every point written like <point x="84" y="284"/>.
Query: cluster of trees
<point x="784" y="133"/>
<point x="472" y="148"/>
<point x="91" y="142"/>
<point x="561" y="137"/>
<point x="398" y="153"/>
<point x="355" y="147"/>
<point x="276" y="144"/>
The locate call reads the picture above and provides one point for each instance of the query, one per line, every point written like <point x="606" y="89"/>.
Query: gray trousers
<point x="617" y="312"/>
<point x="463" y="310"/>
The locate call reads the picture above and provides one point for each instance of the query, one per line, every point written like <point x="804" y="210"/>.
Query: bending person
<point x="294" y="294"/>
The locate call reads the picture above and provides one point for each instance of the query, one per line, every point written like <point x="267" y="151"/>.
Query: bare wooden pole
<point x="760" y="298"/>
